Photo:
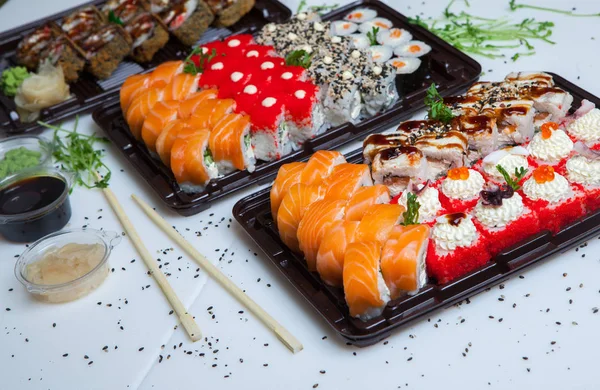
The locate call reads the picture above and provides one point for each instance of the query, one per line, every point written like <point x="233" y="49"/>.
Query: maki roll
<point x="512" y="159"/>
<point x="514" y="118"/>
<point x="304" y="113"/>
<point x="395" y="167"/>
<point x="270" y="136"/>
<point x="556" y="202"/>
<point x="393" y="37"/>
<point x="342" y="102"/>
<point x="364" y="287"/>
<point x="105" y="49"/>
<point x="82" y="23"/>
<point x="375" y="143"/>
<point x="30" y="49"/>
<point x="228" y="12"/>
<point x="583" y="169"/>
<point x="586" y="128"/>
<point x="503" y="219"/>
<point x="378" y="222"/>
<point x="161" y="114"/>
<point x="362" y="200"/>
<point x="361" y="15"/>
<point x="405" y="65"/>
<point x="460" y="190"/>
<point x="191" y="160"/>
<point x="360" y="41"/>
<point x="230" y="144"/>
<point x="428" y="198"/>
<point x="125" y="10"/>
<point x="287" y="176"/>
<point x="412" y="49"/>
<point x="345" y="180"/>
<point x="330" y="258"/>
<point x="187" y="20"/>
<point x="456" y="248"/>
<point x="380" y="54"/>
<point x="550" y="145"/>
<point x="148" y="36"/>
<point x="403" y="259"/>
<point x="380" y="23"/>
<point x="481" y="132"/>
<point x="378" y="88"/>
<point x="343" y="28"/>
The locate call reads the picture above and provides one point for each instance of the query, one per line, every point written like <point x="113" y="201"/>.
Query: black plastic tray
<point x="88" y="92"/>
<point x="449" y="68"/>
<point x="254" y="214"/>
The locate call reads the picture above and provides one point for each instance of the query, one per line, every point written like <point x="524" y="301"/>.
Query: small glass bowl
<point x="31" y="142"/>
<point x="79" y="287"/>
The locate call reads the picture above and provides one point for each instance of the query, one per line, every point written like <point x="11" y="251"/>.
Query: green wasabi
<point x="18" y="159"/>
<point x="12" y="78"/>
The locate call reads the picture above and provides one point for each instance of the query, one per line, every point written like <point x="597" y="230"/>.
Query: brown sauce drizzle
<point x="456" y="218"/>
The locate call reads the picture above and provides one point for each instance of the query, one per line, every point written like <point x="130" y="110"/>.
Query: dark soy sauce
<point x="29" y="198"/>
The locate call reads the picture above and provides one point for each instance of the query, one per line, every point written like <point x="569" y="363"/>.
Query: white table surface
<point x="536" y="330"/>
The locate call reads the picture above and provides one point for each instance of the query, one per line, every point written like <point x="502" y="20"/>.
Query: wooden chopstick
<point x="185" y="318"/>
<point x="282" y="334"/>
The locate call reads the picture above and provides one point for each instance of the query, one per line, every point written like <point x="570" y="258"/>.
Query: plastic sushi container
<point x="254" y="214"/>
<point x="88" y="92"/>
<point x="449" y="68"/>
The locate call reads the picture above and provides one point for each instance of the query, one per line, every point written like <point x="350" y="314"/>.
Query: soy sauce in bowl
<point x="34" y="203"/>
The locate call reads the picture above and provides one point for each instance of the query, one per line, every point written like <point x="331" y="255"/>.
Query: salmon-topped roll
<point x="213" y="111"/>
<point x="132" y="88"/>
<point x="403" y="259"/>
<point x="140" y="108"/>
<point x="319" y="216"/>
<point x="181" y="87"/>
<point x="191" y="160"/>
<point x="292" y="210"/>
<point x="364" y="287"/>
<point x="230" y="144"/>
<point x="364" y="198"/>
<point x="188" y="106"/>
<point x="330" y="258"/>
<point x="162" y="113"/>
<point x="287" y="176"/>
<point x="164" y="73"/>
<point x="345" y="179"/>
<point x="378" y="222"/>
<point x="166" y="139"/>
<point x="320" y="165"/>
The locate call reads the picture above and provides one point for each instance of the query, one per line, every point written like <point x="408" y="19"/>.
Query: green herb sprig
<point x="514" y="6"/>
<point x="411" y="215"/>
<point x="485" y="36"/>
<point x="299" y="58"/>
<point x="112" y="18"/>
<point x="372" y="36"/>
<point x="204" y="58"/>
<point x="301" y="6"/>
<point x="513" y="183"/>
<point x="321" y="9"/>
<point x="76" y="153"/>
<point x="437" y="109"/>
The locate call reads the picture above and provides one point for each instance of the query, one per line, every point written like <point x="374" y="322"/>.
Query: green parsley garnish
<point x="299" y="58"/>
<point x="204" y="58"/>
<point x="514" y="6"/>
<point x="372" y="35"/>
<point x="321" y="9"/>
<point x="437" y="109"/>
<point x="411" y="215"/>
<point x="513" y="183"/>
<point x="76" y="153"/>
<point x="487" y="37"/>
<point x="112" y="18"/>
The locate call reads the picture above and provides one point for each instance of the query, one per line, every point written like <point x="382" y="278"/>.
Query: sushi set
<point x="93" y="48"/>
<point x="438" y="210"/>
<point x="279" y="95"/>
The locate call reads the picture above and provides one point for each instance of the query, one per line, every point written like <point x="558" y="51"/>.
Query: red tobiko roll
<point x="259" y="51"/>
<point x="237" y="44"/>
<point x="459" y="191"/>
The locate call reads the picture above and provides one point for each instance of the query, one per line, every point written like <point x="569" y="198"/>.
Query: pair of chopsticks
<point x="185" y="318"/>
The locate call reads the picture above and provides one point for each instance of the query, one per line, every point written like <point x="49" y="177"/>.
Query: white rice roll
<point x="405" y="65"/>
<point x="394" y="37"/>
<point x="381" y="23"/>
<point x="380" y="54"/>
<point x="361" y="15"/>
<point x="343" y="28"/>
<point x="412" y="49"/>
<point x="360" y="41"/>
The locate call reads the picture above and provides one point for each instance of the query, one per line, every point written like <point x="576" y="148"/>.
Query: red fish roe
<point x="445" y="267"/>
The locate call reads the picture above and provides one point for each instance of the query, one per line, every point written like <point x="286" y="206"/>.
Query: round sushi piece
<point x="380" y="54"/>
<point x="343" y="28"/>
<point x="405" y="65"/>
<point x="360" y="41"/>
<point x="393" y="37"/>
<point x="381" y="23"/>
<point x="361" y="15"/>
<point x="412" y="49"/>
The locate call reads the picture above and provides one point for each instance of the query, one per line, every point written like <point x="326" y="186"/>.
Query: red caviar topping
<point x="543" y="174"/>
<point x="414" y="48"/>
<point x="461" y="173"/>
<point x="547" y="129"/>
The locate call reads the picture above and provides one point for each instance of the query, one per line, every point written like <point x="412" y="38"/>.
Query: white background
<point x="501" y="339"/>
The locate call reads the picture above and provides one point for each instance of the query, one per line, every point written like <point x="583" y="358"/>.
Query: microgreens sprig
<point x="301" y="6"/>
<point x="76" y="154"/>
<point x="437" y="109"/>
<point x="321" y="9"/>
<point x="411" y="215"/>
<point x="513" y="183"/>
<point x="204" y="58"/>
<point x="112" y="18"/>
<point x="514" y="6"/>
<point x="299" y="58"/>
<point x="372" y="35"/>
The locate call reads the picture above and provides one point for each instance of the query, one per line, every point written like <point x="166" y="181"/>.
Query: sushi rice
<point x="381" y="23"/>
<point x="412" y="49"/>
<point x="405" y="65"/>
<point x="380" y="54"/>
<point x="393" y="37"/>
<point x="343" y="28"/>
<point x="361" y="15"/>
<point x="360" y="41"/>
